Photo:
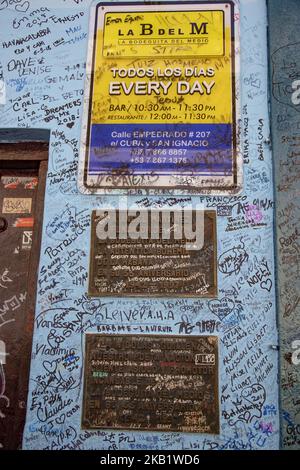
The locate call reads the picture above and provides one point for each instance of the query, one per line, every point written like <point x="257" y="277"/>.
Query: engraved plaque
<point x="148" y="382"/>
<point x="174" y="253"/>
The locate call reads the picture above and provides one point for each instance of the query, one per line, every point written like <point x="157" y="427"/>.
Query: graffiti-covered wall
<point x="43" y="53"/>
<point x="284" y="60"/>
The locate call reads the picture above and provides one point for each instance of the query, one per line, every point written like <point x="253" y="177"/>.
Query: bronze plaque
<point x="159" y="262"/>
<point x="151" y="383"/>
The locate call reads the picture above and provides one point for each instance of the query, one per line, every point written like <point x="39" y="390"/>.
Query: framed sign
<point x="153" y="383"/>
<point x="174" y="253"/>
<point x="161" y="99"/>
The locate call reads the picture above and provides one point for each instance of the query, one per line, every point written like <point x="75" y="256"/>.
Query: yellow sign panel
<point x="196" y="33"/>
<point x="177" y="90"/>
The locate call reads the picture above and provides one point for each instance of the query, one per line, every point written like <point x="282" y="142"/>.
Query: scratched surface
<point x="285" y="69"/>
<point x="42" y="68"/>
<point x="17" y="205"/>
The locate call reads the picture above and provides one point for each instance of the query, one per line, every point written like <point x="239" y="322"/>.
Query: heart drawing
<point x="267" y="285"/>
<point x="23" y="7"/>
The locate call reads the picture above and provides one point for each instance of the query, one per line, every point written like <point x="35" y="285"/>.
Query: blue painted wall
<point x="43" y="52"/>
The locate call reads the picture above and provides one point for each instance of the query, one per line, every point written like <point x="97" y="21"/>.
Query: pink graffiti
<point x="266" y="428"/>
<point x="253" y="214"/>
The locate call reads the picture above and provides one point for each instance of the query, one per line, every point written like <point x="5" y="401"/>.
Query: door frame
<point x="23" y="148"/>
